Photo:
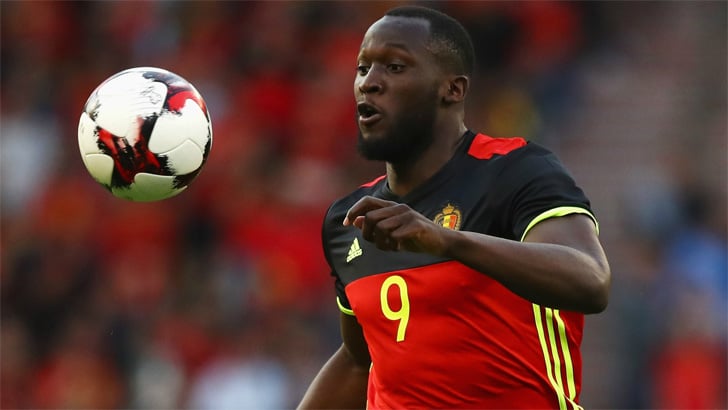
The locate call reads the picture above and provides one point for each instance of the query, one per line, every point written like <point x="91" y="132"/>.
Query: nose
<point x="369" y="83"/>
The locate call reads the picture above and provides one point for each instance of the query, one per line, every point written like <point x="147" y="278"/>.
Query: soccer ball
<point x="144" y="134"/>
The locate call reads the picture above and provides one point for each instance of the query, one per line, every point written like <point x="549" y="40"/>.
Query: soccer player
<point x="463" y="274"/>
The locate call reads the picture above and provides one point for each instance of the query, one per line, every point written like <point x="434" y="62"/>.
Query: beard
<point x="407" y="138"/>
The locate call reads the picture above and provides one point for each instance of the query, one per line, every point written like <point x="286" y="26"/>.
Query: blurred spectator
<point x="220" y="297"/>
<point x="690" y="359"/>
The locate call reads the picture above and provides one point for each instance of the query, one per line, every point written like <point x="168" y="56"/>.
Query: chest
<point x="469" y="209"/>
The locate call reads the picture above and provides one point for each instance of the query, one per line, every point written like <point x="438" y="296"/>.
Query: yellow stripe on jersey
<point x="567" y="360"/>
<point x="553" y="340"/>
<point x="546" y="358"/>
<point x="343" y="308"/>
<point x="554" y="354"/>
<point x="556" y="212"/>
<point x="552" y="350"/>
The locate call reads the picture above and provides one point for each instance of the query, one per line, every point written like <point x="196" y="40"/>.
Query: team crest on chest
<point x="450" y="217"/>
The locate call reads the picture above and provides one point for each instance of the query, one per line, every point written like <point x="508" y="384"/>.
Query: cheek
<point x="422" y="99"/>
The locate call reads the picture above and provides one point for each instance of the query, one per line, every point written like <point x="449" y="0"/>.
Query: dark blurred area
<point x="220" y="298"/>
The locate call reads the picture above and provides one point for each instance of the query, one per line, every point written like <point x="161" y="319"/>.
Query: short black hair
<point x="448" y="38"/>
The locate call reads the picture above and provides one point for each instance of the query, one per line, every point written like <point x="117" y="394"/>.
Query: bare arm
<point x="560" y="263"/>
<point x="342" y="381"/>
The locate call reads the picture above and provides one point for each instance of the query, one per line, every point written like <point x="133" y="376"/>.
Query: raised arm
<point x="342" y="381"/>
<point x="559" y="264"/>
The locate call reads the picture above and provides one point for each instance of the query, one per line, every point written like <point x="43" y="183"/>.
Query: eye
<point x="395" y="68"/>
<point x="362" y="69"/>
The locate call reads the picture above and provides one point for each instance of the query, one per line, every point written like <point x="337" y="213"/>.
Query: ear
<point x="457" y="89"/>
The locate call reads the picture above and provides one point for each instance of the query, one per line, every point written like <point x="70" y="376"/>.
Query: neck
<point x="404" y="176"/>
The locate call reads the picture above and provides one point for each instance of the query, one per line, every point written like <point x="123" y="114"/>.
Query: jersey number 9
<point x="401" y="315"/>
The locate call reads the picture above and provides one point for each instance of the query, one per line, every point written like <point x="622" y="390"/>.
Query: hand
<point x="394" y="226"/>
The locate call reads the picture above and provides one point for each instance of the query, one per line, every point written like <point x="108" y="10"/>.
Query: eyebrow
<point x="398" y="46"/>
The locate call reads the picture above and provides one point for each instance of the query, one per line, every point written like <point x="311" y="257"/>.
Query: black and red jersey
<point x="440" y="334"/>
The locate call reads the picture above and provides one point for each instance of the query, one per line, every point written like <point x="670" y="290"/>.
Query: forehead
<point x="409" y="34"/>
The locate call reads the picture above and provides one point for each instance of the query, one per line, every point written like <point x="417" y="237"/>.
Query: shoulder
<point x="534" y="161"/>
<point x="484" y="147"/>
<point x="512" y="156"/>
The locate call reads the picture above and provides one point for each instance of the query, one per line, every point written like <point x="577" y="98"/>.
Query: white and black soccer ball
<point x="145" y="134"/>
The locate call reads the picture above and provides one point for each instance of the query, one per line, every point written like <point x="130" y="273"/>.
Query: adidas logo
<point x="354" y="251"/>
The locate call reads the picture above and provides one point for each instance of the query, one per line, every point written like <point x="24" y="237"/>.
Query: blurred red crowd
<point x="112" y="304"/>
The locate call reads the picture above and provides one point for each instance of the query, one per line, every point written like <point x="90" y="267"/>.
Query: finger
<point x="383" y="241"/>
<point x="406" y="238"/>
<point x="364" y="205"/>
<point x="358" y="222"/>
<point x="389" y="244"/>
<point x="420" y="237"/>
<point x="378" y="228"/>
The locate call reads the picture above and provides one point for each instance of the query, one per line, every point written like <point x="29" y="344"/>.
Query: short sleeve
<point x="537" y="184"/>
<point x="341" y="299"/>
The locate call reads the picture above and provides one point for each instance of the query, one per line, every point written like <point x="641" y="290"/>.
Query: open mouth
<point x="368" y="114"/>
